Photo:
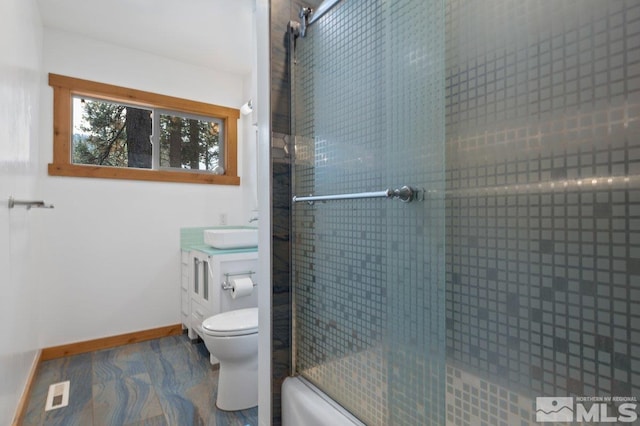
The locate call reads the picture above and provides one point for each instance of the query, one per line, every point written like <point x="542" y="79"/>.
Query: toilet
<point x="232" y="337"/>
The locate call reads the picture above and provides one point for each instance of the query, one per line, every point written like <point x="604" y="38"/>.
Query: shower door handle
<point x="405" y="194"/>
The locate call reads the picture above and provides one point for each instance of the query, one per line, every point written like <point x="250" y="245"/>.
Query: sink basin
<point x="231" y="238"/>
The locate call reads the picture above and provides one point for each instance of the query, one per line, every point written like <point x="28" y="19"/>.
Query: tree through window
<point x="189" y="143"/>
<point x="117" y="135"/>
<point x="113" y="132"/>
<point x="110" y="134"/>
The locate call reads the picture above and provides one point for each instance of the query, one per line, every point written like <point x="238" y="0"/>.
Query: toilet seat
<point x="239" y="322"/>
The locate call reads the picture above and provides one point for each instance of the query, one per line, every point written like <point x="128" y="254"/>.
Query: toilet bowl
<point x="232" y="337"/>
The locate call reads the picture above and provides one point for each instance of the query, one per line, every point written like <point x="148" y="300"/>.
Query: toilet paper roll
<point x="241" y="287"/>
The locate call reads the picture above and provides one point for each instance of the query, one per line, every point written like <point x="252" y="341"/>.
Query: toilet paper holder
<point x="226" y="285"/>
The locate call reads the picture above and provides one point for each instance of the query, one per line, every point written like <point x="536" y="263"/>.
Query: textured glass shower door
<point x="368" y="274"/>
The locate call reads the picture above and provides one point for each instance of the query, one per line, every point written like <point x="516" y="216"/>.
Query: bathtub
<point x="305" y="404"/>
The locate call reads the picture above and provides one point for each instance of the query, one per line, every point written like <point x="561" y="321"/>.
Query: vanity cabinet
<point x="200" y="291"/>
<point x="207" y="270"/>
<point x="185" y="297"/>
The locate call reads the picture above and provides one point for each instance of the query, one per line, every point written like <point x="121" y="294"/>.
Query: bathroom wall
<point x="110" y="247"/>
<point x="20" y="65"/>
<point x="543" y="235"/>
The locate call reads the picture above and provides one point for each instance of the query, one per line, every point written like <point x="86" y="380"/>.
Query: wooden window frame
<point x="65" y="88"/>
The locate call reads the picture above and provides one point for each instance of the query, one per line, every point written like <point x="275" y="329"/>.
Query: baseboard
<point x="23" y="403"/>
<point x="109" y="342"/>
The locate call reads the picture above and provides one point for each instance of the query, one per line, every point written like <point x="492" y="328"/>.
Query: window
<point x="106" y="131"/>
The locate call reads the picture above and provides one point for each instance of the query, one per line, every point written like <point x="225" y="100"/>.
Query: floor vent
<point x="58" y="396"/>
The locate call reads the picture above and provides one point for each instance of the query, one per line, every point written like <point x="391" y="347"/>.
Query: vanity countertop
<point x="193" y="239"/>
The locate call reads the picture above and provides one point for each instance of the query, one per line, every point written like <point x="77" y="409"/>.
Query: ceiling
<point x="211" y="33"/>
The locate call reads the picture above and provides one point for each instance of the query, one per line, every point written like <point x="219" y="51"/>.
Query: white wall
<point x="250" y="130"/>
<point x="20" y="64"/>
<point x="262" y="66"/>
<point x="110" y="248"/>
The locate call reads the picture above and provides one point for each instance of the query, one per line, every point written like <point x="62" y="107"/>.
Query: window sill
<point x="104" y="172"/>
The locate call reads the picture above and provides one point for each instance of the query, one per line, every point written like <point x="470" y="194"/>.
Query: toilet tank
<point x="305" y="404"/>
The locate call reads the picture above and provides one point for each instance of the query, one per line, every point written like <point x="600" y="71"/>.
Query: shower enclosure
<point x="368" y="270"/>
<point x="514" y="271"/>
